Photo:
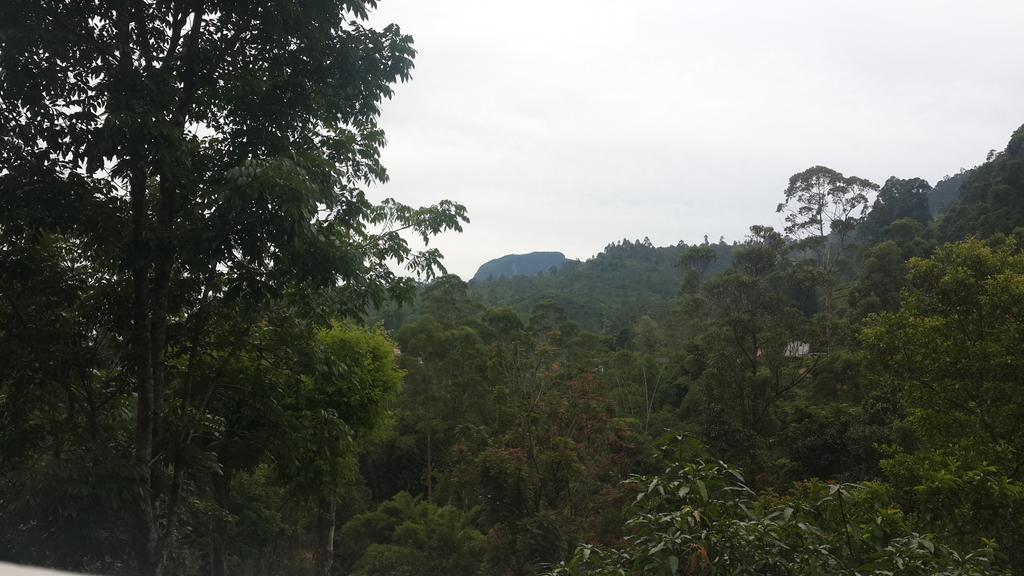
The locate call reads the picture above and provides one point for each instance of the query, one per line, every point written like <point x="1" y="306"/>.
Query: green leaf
<point x="702" y="488"/>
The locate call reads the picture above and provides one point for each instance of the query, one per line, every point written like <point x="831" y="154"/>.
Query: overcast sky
<point x="568" y="124"/>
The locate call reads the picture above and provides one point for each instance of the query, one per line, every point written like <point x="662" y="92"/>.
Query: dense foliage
<point x="180" y="187"/>
<point x="702" y="518"/>
<point x="191" y="382"/>
<point x="868" y="385"/>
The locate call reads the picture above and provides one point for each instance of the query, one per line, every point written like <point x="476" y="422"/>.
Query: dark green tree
<point x="951" y="356"/>
<point x="200" y="153"/>
<point x="750" y="325"/>
<point x="897" y="199"/>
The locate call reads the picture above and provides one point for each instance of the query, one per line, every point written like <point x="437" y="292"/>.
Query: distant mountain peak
<point x="512" y="265"/>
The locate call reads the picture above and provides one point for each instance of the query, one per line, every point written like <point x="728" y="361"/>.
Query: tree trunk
<point x="830" y="273"/>
<point x="218" y="543"/>
<point x="430" y="469"/>
<point x="163" y="259"/>
<point x="324" y="554"/>
<point x="148" y="553"/>
<point x="149" y="561"/>
<point x="829" y="295"/>
<point x="151" y="260"/>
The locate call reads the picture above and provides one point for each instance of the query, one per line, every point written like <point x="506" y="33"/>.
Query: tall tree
<point x="822" y="208"/>
<point x="209" y="151"/>
<point x="821" y="204"/>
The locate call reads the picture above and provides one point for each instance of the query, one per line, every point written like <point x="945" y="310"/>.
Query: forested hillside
<point x="857" y="371"/>
<point x="219" y="356"/>
<point x="608" y="292"/>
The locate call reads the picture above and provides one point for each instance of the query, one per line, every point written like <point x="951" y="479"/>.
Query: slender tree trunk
<point x="430" y="469"/>
<point x="829" y="297"/>
<point x="148" y="554"/>
<point x="647" y="399"/>
<point x="829" y="293"/>
<point x="218" y="544"/>
<point x="149" y="560"/>
<point x="324" y="557"/>
<point x="163" y="260"/>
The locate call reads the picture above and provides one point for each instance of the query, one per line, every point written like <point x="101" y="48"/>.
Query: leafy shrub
<point x="700" y="518"/>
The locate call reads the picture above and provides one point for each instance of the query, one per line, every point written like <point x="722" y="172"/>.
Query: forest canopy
<point x="219" y="355"/>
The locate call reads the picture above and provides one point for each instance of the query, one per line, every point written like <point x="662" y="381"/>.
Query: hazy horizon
<point x="566" y="126"/>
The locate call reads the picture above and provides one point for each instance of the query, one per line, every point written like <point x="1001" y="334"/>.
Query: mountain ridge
<point x="515" y="265"/>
